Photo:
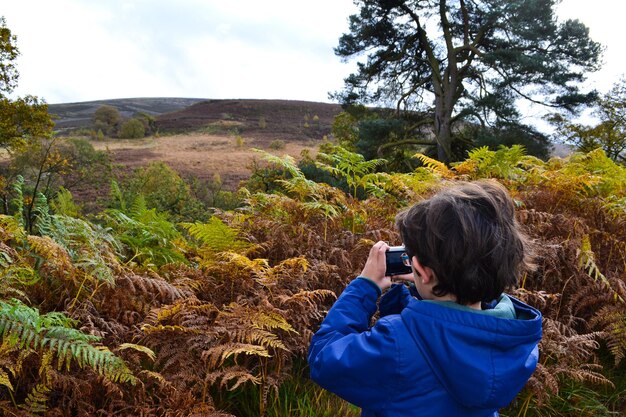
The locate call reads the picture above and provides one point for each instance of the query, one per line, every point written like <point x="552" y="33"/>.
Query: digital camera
<point x="398" y="262"/>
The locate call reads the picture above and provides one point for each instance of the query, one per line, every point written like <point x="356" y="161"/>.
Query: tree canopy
<point x="466" y="60"/>
<point x="22" y="117"/>
<point x="8" y="54"/>
<point x="610" y="131"/>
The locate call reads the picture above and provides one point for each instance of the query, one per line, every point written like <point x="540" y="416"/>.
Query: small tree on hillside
<point x="610" y="131"/>
<point x="107" y="118"/>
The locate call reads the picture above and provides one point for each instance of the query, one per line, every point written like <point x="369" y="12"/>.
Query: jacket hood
<point x="482" y="361"/>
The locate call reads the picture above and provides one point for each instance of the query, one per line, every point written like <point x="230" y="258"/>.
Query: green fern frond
<point x="63" y="204"/>
<point x="285" y="162"/>
<point x="149" y="235"/>
<point x="507" y="163"/>
<point x="325" y="208"/>
<point x="117" y="196"/>
<point x="586" y="260"/>
<point x="302" y="187"/>
<point x="138" y="207"/>
<point x="348" y="165"/>
<point x="18" y="201"/>
<point x="43" y="220"/>
<point x="15" y="273"/>
<point x="216" y="236"/>
<point x="23" y="326"/>
<point x="376" y="184"/>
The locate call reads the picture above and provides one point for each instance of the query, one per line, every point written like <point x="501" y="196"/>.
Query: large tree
<point x="466" y="59"/>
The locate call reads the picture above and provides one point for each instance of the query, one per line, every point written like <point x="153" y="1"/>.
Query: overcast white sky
<point x="81" y="50"/>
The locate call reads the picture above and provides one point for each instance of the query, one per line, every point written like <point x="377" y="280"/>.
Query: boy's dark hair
<point x="467" y="234"/>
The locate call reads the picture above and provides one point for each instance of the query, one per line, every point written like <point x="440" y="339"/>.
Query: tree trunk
<point x="443" y="131"/>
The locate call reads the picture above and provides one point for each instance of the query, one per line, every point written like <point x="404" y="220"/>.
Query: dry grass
<point x="200" y="155"/>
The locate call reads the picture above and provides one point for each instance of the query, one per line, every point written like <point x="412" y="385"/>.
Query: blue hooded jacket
<point x="423" y="358"/>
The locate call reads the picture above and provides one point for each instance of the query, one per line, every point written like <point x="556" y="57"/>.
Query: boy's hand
<point x="376" y="265"/>
<point x="404" y="277"/>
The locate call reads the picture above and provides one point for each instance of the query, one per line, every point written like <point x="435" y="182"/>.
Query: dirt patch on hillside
<point x="199" y="155"/>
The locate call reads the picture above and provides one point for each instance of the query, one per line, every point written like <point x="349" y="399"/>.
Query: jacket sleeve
<point x="346" y="357"/>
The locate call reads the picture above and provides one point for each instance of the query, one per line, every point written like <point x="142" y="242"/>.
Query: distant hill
<point x="262" y="119"/>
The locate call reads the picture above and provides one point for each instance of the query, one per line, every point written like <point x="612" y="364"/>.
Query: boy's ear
<point x="426" y="273"/>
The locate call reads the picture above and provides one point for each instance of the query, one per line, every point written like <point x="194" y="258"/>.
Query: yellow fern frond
<point x="36" y="399"/>
<point x="150" y="329"/>
<point x="270" y="320"/>
<point x="308" y="297"/>
<point x="217" y="355"/>
<point x="292" y="263"/>
<point x="437" y="167"/>
<point x="52" y="252"/>
<point x="139" y="348"/>
<point x="167" y="312"/>
<point x="255" y="265"/>
<point x="270" y="276"/>
<point x="10" y="229"/>
<point x="5" y="380"/>
<point x="155" y="375"/>
<point x="467" y="167"/>
<point x="259" y="337"/>
<point x="240" y="376"/>
<point x="586" y="261"/>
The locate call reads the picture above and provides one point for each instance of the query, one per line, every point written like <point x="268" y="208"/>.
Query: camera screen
<point x="397" y="262"/>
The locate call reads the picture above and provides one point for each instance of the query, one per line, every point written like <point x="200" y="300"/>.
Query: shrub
<point x="210" y="193"/>
<point x="71" y="163"/>
<point x="148" y="121"/>
<point x="163" y="190"/>
<point x="132" y="129"/>
<point x="277" y="144"/>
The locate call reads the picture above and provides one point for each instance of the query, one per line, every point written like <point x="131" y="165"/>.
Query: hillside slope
<point x="262" y="119"/>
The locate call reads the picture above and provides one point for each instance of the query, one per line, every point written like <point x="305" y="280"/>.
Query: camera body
<point x="396" y="261"/>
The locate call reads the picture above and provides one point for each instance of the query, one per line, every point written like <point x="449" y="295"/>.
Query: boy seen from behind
<point x="459" y="346"/>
